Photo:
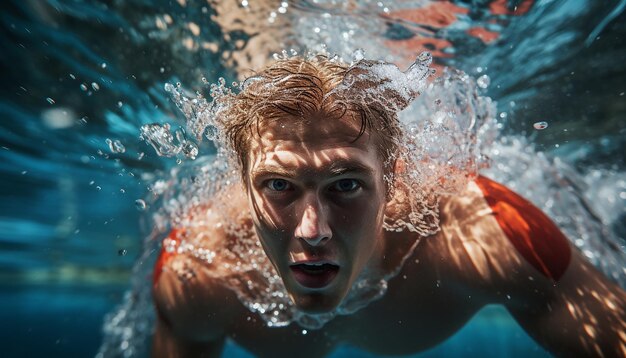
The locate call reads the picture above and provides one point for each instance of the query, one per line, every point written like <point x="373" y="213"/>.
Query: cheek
<point x="362" y="223"/>
<point x="268" y="217"/>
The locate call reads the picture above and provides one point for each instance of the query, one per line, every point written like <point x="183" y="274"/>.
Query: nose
<point x="313" y="226"/>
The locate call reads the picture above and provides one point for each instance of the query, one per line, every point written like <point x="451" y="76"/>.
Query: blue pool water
<point x="76" y="73"/>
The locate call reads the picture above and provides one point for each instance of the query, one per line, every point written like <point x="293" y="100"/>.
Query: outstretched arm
<point x="193" y="309"/>
<point x="557" y="296"/>
<point x="168" y="344"/>
<point x="583" y="314"/>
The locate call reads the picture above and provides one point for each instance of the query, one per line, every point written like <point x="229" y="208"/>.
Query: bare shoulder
<point x="496" y="238"/>
<point x="188" y="281"/>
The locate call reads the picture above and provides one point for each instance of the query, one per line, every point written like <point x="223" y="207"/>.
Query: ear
<point x="399" y="167"/>
<point x="395" y="188"/>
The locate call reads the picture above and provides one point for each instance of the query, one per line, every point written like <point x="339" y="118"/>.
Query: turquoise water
<point x="76" y="73"/>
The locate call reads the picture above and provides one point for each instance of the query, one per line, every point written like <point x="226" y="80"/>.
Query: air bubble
<point x="424" y="57"/>
<point x="122" y="252"/>
<point x="190" y="150"/>
<point x="483" y="81"/>
<point x="50" y="100"/>
<point x="540" y="125"/>
<point x="115" y="146"/>
<point x="358" y="55"/>
<point x="210" y="132"/>
<point x="140" y="204"/>
<point x="95" y="86"/>
<point x="83" y="87"/>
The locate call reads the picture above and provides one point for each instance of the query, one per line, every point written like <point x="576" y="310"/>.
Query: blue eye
<point x="346" y="185"/>
<point x="278" y="184"/>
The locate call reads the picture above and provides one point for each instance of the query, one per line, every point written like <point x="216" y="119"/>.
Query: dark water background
<point x="69" y="228"/>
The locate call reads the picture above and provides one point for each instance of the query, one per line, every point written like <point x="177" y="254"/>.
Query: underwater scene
<point x="112" y="135"/>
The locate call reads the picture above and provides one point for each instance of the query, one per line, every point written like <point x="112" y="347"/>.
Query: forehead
<point x="316" y="142"/>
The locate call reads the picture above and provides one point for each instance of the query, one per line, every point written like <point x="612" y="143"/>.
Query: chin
<point x="316" y="302"/>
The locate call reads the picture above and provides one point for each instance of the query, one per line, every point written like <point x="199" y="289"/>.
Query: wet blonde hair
<point x="303" y="89"/>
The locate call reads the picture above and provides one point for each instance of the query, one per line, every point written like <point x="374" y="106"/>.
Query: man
<point x="321" y="178"/>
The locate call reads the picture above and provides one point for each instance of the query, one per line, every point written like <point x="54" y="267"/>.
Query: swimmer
<point x="315" y="191"/>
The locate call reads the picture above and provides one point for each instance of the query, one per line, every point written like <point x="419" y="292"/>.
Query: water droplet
<point x="358" y="55"/>
<point x="50" y="100"/>
<point x="210" y="132"/>
<point x="424" y="57"/>
<point x="122" y="252"/>
<point x="160" y="138"/>
<point x="483" y="81"/>
<point x="190" y="150"/>
<point x="140" y="204"/>
<point x="115" y="146"/>
<point x="95" y="86"/>
<point x="540" y="125"/>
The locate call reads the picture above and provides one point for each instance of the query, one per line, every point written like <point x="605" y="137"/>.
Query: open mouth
<point x="314" y="274"/>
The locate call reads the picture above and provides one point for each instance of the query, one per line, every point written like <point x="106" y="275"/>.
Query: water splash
<point x="460" y="125"/>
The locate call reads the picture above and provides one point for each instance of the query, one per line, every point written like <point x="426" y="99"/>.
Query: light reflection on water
<point x="78" y="73"/>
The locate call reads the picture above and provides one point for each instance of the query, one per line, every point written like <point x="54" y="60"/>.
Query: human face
<point x="317" y="199"/>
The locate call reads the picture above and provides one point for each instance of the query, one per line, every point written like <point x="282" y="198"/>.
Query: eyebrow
<point x="336" y="168"/>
